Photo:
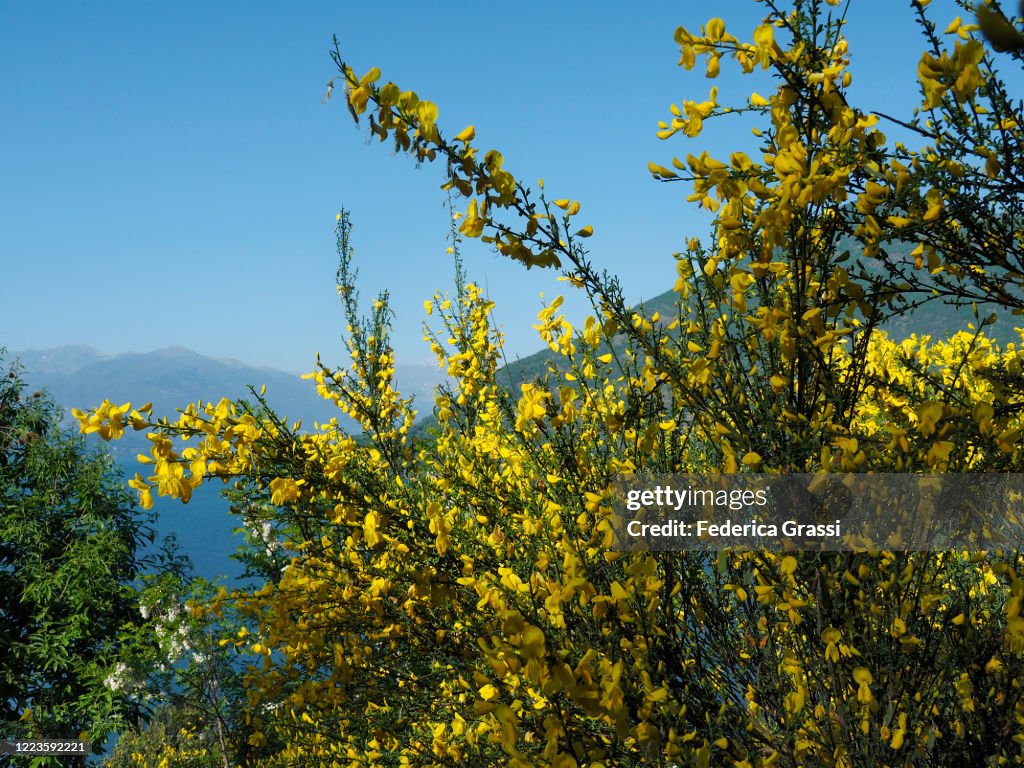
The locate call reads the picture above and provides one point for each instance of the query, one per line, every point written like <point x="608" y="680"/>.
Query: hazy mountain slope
<point x="171" y="378"/>
<point x="934" y="319"/>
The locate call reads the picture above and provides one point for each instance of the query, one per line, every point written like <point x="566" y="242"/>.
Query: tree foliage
<point x="72" y="566"/>
<point x="458" y="601"/>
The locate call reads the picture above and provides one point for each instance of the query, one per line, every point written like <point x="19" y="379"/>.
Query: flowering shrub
<point x="457" y="600"/>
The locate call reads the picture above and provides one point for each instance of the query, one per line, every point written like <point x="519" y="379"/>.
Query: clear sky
<point x="169" y="175"/>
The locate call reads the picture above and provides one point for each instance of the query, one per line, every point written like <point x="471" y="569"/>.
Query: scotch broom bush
<point x="457" y="601"/>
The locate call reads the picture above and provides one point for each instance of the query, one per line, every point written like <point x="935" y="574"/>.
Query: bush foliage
<point x="75" y="551"/>
<point x="457" y="600"/>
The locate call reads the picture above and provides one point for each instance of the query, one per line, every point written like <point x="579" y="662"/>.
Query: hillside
<point x="934" y="319"/>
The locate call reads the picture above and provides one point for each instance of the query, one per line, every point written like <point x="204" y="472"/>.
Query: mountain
<point x="173" y="377"/>
<point x="81" y="377"/>
<point x="58" y="361"/>
<point x="934" y="318"/>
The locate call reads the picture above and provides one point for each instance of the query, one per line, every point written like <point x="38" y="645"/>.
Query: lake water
<point x="203" y="529"/>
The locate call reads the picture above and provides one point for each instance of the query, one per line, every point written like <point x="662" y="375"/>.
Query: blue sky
<point x="170" y="175"/>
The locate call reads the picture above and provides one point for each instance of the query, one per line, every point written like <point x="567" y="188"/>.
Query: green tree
<point x="72" y="563"/>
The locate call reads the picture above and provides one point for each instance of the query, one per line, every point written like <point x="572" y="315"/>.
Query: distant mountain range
<point x="171" y="378"/>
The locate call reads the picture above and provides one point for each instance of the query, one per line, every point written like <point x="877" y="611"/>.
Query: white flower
<point x="118" y="678"/>
<point x="266" y="535"/>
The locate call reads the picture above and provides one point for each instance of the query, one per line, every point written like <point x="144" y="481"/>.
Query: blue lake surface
<point x="203" y="529"/>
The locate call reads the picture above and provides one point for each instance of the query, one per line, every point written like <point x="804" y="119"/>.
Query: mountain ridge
<point x="80" y="376"/>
